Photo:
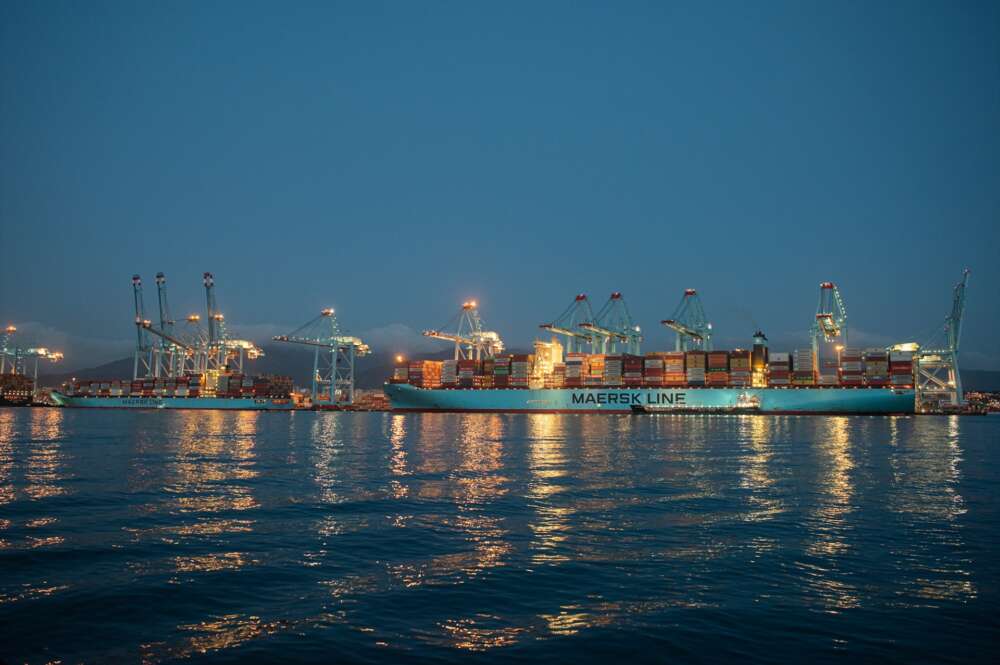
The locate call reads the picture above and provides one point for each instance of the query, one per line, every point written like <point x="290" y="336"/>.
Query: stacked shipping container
<point x="717" y="371"/>
<point x="779" y="369"/>
<point x="695" y="361"/>
<point x="802" y="368"/>
<point x="851" y="367"/>
<point x="901" y="369"/>
<point x="739" y="368"/>
<point x="876" y="367"/>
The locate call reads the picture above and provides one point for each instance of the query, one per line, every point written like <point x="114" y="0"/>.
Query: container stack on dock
<point x="696" y="362"/>
<point x="802" y="368"/>
<point x="779" y="369"/>
<point x="851" y="367"/>
<point x="16" y="389"/>
<point x="876" y="367"/>
<point x="901" y="369"/>
<point x="739" y="368"/>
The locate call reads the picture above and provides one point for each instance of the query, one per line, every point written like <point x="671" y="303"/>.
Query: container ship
<point x="210" y="390"/>
<point x="869" y="381"/>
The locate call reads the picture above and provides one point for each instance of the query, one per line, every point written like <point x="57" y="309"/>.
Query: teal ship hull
<point x="852" y="401"/>
<point x="200" y="403"/>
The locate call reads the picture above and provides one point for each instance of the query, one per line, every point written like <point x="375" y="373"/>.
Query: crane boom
<point x="148" y="325"/>
<point x="690" y="323"/>
<point x="564" y="331"/>
<point x="470" y="338"/>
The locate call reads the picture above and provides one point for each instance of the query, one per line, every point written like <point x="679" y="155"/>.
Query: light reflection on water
<point x="481" y="532"/>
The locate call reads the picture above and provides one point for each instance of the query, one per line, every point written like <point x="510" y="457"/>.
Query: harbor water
<point x="173" y="536"/>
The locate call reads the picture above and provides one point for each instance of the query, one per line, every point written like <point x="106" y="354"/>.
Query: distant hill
<point x="372" y="370"/>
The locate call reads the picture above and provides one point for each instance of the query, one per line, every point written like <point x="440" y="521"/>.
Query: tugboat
<point x="745" y="404"/>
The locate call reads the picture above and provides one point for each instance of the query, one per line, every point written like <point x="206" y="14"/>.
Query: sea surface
<point x="169" y="536"/>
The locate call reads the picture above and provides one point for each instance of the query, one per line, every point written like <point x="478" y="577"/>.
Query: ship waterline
<point x="877" y="401"/>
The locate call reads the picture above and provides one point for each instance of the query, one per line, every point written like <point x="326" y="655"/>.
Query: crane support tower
<point x="169" y="357"/>
<point x="829" y="328"/>
<point x="333" y="358"/>
<point x="144" y="365"/>
<point x="938" y="382"/>
<point x="14" y="359"/>
<point x="40" y="353"/>
<point x="694" y="332"/>
<point x="831" y="314"/>
<point x="465" y="329"/>
<point x="9" y="354"/>
<point x="570" y="324"/>
<point x="614" y="327"/>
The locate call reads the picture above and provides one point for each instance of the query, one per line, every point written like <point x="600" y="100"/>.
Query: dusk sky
<point x="391" y="160"/>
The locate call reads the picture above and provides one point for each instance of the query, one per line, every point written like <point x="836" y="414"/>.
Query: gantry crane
<point x="828" y="333"/>
<point x="570" y="324"/>
<point x="466" y="331"/>
<point x="333" y="358"/>
<point x="40" y="353"/>
<point x="14" y="359"/>
<point x="223" y="352"/>
<point x="690" y="323"/>
<point x="938" y="382"/>
<point x="614" y="327"/>
<point x="9" y="355"/>
<point x="192" y="350"/>
<point x="831" y="316"/>
<point x="168" y="356"/>
<point x="144" y="364"/>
